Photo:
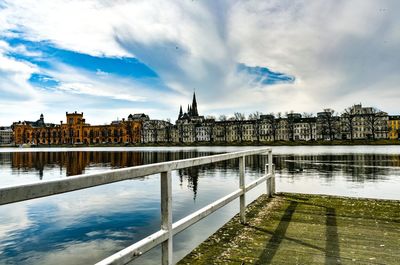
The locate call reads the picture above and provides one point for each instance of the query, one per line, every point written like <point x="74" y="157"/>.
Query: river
<point x="85" y="226"/>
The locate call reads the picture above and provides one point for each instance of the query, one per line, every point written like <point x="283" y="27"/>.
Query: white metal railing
<point x="168" y="229"/>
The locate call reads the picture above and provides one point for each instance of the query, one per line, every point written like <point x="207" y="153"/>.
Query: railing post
<point x="269" y="172"/>
<point x="266" y="181"/>
<point x="273" y="189"/>
<point x="166" y="216"/>
<point x="242" y="187"/>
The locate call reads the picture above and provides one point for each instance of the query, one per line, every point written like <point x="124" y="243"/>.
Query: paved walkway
<point x="307" y="229"/>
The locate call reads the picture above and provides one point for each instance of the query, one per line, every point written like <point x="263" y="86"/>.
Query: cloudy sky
<point x="112" y="58"/>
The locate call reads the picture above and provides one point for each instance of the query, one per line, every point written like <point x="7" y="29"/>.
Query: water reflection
<point x="355" y="167"/>
<point x="359" y="167"/>
<point x="75" y="163"/>
<point x="85" y="226"/>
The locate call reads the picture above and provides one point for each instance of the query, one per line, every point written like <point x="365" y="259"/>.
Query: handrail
<point x="78" y="182"/>
<point x="168" y="229"/>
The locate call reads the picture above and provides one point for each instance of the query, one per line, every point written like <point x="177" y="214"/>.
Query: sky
<point x="109" y="59"/>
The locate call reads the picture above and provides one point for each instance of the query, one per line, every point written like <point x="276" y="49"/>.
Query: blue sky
<point x="112" y="59"/>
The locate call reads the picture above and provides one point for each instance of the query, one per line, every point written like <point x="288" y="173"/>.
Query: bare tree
<point x="224" y="123"/>
<point x="180" y="132"/>
<point x="143" y="131"/>
<point x="255" y="117"/>
<point x="309" y="119"/>
<point x="273" y="124"/>
<point x="210" y="124"/>
<point x="154" y="130"/>
<point x="239" y="120"/>
<point x="375" y="120"/>
<point x="168" y="128"/>
<point x="349" y="117"/>
<point x="129" y="131"/>
<point x="328" y="124"/>
<point x="194" y="131"/>
<point x="136" y="134"/>
<point x="290" y="123"/>
<point x="280" y="121"/>
<point x="222" y="117"/>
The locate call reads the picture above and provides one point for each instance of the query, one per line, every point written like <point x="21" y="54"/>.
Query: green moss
<point x="307" y="229"/>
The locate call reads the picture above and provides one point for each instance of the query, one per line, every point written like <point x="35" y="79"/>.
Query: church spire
<point x="194" y="106"/>
<point x="180" y="113"/>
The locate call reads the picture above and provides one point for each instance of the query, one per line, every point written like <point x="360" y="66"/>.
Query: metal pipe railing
<point x="168" y="229"/>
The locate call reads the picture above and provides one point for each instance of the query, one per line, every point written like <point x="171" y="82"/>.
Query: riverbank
<point x="276" y="143"/>
<point x="306" y="229"/>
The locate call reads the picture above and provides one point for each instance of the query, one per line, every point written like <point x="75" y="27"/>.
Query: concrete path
<point x="307" y="229"/>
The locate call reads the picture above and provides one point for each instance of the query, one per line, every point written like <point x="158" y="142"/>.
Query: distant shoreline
<point x="276" y="143"/>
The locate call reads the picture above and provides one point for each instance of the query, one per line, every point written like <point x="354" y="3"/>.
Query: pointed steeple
<point x="194" y="97"/>
<point x="194" y="106"/>
<point x="180" y="113"/>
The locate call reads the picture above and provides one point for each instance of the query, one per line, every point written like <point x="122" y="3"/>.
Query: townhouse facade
<point x="394" y="127"/>
<point x="190" y="127"/>
<point x="6" y="135"/>
<point x="358" y="122"/>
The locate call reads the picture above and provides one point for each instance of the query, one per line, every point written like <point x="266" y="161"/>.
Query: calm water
<point x="86" y="226"/>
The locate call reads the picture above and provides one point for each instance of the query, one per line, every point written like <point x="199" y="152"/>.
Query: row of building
<point x="355" y="123"/>
<point x="76" y="131"/>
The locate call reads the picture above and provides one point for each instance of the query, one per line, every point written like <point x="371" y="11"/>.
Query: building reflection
<point x="75" y="163"/>
<point x="355" y="167"/>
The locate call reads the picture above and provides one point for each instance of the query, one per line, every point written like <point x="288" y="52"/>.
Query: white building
<point x="6" y="135"/>
<point x="358" y="122"/>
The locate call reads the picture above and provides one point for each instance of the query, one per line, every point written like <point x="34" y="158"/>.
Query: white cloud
<point x="340" y="52"/>
<point x="16" y="94"/>
<point x="79" y="82"/>
<point x="336" y="50"/>
<point x="72" y="252"/>
<point x="12" y="218"/>
<point x="83" y="82"/>
<point x="14" y="75"/>
<point x="83" y="26"/>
